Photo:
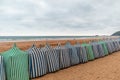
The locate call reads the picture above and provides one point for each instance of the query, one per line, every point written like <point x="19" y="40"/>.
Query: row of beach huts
<point x="16" y="64"/>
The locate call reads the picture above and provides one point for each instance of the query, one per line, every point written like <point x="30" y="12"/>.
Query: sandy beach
<point x="106" y="68"/>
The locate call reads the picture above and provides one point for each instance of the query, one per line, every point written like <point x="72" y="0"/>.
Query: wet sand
<point x="106" y="68"/>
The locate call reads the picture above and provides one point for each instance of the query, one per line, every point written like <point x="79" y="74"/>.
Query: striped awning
<point x="37" y="62"/>
<point x="2" y="69"/>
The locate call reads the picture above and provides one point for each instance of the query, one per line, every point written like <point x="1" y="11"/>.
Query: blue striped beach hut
<point x="95" y="49"/>
<point x="116" y="45"/>
<point x="108" y="45"/>
<point x="113" y="46"/>
<point x="74" y="59"/>
<point x="100" y="50"/>
<point x="37" y="62"/>
<point x="52" y="58"/>
<point x="2" y="69"/>
<point x="64" y="58"/>
<point x="82" y="53"/>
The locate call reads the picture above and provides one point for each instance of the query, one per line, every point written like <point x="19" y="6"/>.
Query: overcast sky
<point x="59" y="17"/>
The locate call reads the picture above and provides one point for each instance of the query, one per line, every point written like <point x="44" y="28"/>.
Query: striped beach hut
<point x="100" y="49"/>
<point x="79" y="52"/>
<point x="74" y="59"/>
<point x="37" y="62"/>
<point x="105" y="50"/>
<point x="82" y="53"/>
<point x="2" y="69"/>
<point x="113" y="46"/>
<point x="95" y="49"/>
<point x="64" y="58"/>
<point x="108" y="45"/>
<point x="52" y="58"/>
<point x="119" y="42"/>
<point x="16" y="64"/>
<point x="116" y="45"/>
<point x="89" y="51"/>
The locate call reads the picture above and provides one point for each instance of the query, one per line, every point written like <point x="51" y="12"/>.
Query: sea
<point x="33" y="38"/>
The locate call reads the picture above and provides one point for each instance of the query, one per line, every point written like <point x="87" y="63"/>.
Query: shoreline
<point x="21" y="39"/>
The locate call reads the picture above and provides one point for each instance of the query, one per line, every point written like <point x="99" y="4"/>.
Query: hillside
<point x="116" y="33"/>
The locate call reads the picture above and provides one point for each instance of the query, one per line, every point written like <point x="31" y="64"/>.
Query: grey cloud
<point x="68" y="15"/>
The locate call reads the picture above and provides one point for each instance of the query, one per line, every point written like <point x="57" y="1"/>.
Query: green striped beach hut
<point x="16" y="64"/>
<point x="89" y="51"/>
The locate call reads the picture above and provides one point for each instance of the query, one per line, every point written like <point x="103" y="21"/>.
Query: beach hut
<point x="109" y="47"/>
<point x="104" y="47"/>
<point x="2" y="69"/>
<point x="64" y="58"/>
<point x="119" y="42"/>
<point x="84" y="53"/>
<point x="81" y="51"/>
<point x="89" y="51"/>
<point x="74" y="59"/>
<point x="113" y="45"/>
<point x="116" y="45"/>
<point x="16" y="64"/>
<point x="95" y="49"/>
<point x="52" y="58"/>
<point x="100" y="50"/>
<point x="37" y="62"/>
